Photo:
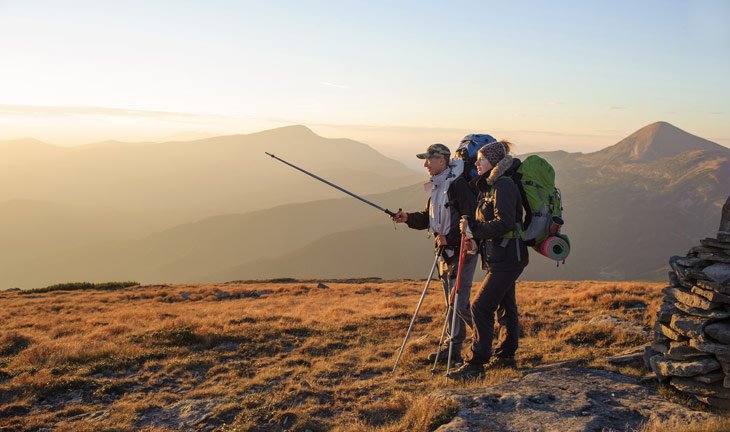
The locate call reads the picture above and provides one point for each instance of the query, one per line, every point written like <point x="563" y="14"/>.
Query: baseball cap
<point x="435" y="150"/>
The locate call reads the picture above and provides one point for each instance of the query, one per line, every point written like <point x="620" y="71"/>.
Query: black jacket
<point x="462" y="201"/>
<point x="496" y="217"/>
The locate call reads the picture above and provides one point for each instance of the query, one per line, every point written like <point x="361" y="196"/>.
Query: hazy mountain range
<point x="627" y="208"/>
<point x="194" y="179"/>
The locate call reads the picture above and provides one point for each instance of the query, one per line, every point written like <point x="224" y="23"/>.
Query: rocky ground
<point x="567" y="398"/>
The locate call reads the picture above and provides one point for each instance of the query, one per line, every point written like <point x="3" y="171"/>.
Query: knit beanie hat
<point x="494" y="152"/>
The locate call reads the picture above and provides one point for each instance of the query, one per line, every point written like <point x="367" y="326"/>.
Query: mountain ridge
<point x="655" y="141"/>
<point x="228" y="174"/>
<point x="624" y="219"/>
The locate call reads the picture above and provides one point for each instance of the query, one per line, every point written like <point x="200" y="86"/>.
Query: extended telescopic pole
<point x="455" y="297"/>
<point x="385" y="210"/>
<point x="418" y="307"/>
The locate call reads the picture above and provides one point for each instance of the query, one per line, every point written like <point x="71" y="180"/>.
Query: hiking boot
<point x="502" y="362"/>
<point x="443" y="355"/>
<point x="467" y="371"/>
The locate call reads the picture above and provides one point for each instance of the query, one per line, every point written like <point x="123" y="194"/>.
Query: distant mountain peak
<point x="655" y="141"/>
<point x="293" y="130"/>
<point x="298" y="127"/>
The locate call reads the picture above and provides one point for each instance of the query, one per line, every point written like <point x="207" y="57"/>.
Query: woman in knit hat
<point x="496" y="233"/>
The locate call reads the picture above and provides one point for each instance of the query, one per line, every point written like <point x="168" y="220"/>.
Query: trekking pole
<point x="418" y="307"/>
<point x="385" y="210"/>
<point x="443" y="329"/>
<point x="455" y="298"/>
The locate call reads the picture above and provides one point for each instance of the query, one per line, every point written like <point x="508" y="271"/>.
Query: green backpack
<point x="535" y="178"/>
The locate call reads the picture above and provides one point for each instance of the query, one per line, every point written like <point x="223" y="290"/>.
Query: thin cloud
<point x="617" y="108"/>
<point x="329" y="84"/>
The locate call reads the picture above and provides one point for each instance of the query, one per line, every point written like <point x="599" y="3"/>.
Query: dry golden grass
<point x="298" y="358"/>
<point x="713" y="425"/>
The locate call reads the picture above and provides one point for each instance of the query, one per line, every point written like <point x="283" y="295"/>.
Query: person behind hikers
<point x="451" y="197"/>
<point x="496" y="230"/>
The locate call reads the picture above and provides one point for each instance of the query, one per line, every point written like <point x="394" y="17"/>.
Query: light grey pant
<point x="463" y="307"/>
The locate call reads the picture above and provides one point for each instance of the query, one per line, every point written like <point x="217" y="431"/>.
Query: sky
<point x="397" y="75"/>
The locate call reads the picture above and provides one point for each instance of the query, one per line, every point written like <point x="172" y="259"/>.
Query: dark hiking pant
<point x="495" y="295"/>
<point x="459" y="333"/>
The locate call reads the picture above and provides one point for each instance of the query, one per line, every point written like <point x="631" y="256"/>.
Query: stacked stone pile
<point x="691" y="349"/>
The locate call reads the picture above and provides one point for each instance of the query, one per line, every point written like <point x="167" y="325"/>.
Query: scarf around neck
<point x="438" y="212"/>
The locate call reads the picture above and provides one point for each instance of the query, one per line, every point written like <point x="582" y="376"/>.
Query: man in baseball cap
<point x="450" y="198"/>
<point x="435" y="150"/>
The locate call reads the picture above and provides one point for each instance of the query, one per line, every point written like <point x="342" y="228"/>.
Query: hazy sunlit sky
<point x="578" y="75"/>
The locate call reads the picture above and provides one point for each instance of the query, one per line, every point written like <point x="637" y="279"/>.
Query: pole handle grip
<point x="392" y="214"/>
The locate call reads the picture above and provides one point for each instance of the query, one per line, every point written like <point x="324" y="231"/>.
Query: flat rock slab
<point x="714" y="314"/>
<point x="720" y="258"/>
<point x="719" y="331"/>
<point x="671" y="334"/>
<point x="683" y="368"/>
<point x="715" y="243"/>
<point x="563" y="400"/>
<point x="712" y="285"/>
<point x="688" y="325"/>
<point x="711" y="295"/>
<point x="633" y="356"/>
<point x="683" y="352"/>
<point x="720" y="350"/>
<point x="712" y="377"/>
<point x="719" y="273"/>
<point x="699" y="388"/>
<point x="690" y="299"/>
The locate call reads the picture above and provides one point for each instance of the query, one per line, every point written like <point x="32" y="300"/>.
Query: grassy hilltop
<point x="272" y="356"/>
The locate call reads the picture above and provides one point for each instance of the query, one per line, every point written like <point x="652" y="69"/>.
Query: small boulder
<point x="689" y="368"/>
<point x="322" y="286"/>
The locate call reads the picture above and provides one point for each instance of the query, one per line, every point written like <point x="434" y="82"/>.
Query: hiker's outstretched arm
<point x="505" y="213"/>
<point x="419" y="220"/>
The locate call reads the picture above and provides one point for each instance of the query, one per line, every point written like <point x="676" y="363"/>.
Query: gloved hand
<point x="400" y="217"/>
<point x="464" y="227"/>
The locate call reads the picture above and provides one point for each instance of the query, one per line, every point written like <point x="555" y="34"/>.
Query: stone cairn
<point x="691" y="349"/>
